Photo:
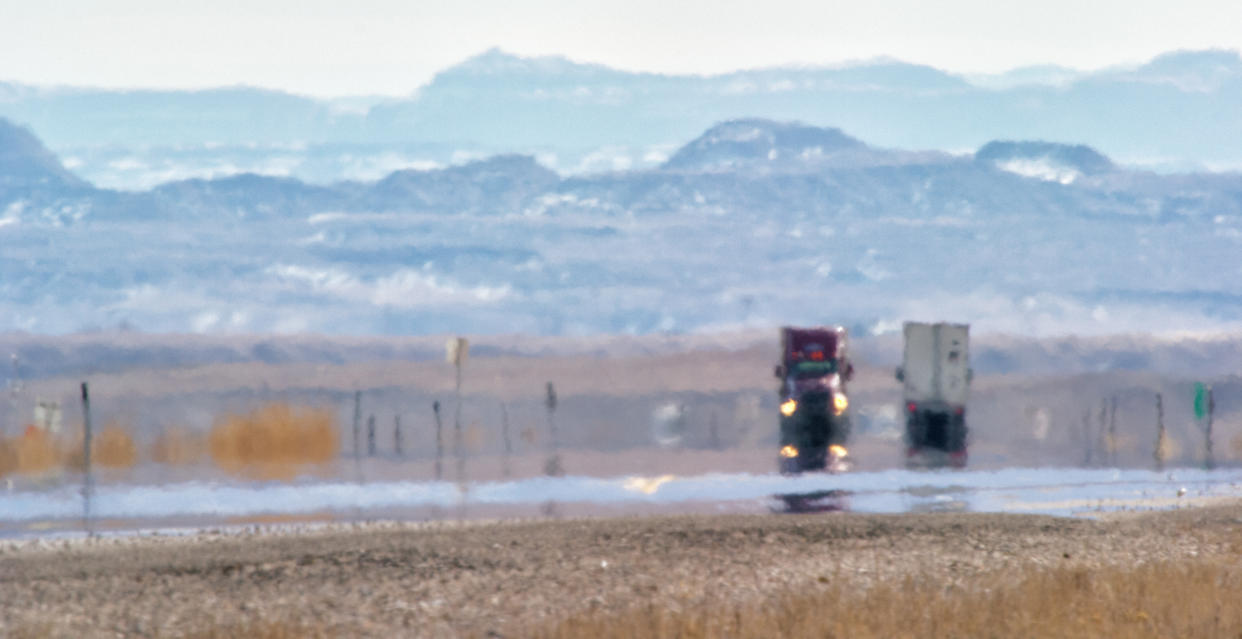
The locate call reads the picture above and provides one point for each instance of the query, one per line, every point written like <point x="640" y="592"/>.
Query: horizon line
<point x="849" y="63"/>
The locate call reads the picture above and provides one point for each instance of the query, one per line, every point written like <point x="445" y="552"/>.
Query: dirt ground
<point x="503" y="579"/>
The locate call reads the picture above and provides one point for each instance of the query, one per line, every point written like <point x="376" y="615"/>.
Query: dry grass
<point x="1174" y="574"/>
<point x="253" y="630"/>
<point x="262" y="630"/>
<point x="112" y="447"/>
<point x="33" y="453"/>
<point x="1163" y="600"/>
<point x="275" y="441"/>
<point x="37" y="453"/>
<point x="178" y="447"/>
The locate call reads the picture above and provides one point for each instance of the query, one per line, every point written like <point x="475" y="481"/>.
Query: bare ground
<point x="513" y="578"/>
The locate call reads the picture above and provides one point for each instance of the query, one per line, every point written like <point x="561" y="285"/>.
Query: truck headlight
<point x="788" y="407"/>
<point x="839" y="404"/>
<point x="788" y="451"/>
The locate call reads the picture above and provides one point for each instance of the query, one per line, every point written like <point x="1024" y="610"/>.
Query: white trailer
<point x="935" y="373"/>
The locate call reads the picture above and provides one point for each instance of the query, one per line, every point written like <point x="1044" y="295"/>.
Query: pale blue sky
<point x="391" y="47"/>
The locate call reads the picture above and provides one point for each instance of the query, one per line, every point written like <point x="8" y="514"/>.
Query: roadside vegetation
<point x="1172" y="599"/>
<point x="1196" y="599"/>
<point x="273" y="441"/>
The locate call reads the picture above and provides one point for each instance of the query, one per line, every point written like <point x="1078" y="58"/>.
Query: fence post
<point x="88" y="483"/>
<point x="357" y="435"/>
<point x="1112" y="432"/>
<point x="15" y="390"/>
<point x="458" y="444"/>
<point x="396" y="436"/>
<point x="1158" y="454"/>
<point x="1101" y="433"/>
<point x="1209" y="461"/>
<point x="435" y="408"/>
<point x="552" y="467"/>
<point x="371" y="435"/>
<point x="1088" y="442"/>
<point x="504" y="433"/>
<point x="456" y="351"/>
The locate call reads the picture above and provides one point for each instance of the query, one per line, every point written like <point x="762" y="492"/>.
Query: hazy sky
<point x="391" y="47"/>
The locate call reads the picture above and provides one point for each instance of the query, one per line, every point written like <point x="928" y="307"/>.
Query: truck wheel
<point x="957" y="440"/>
<point x="814" y="459"/>
<point x="840" y="433"/>
<point x="914" y="432"/>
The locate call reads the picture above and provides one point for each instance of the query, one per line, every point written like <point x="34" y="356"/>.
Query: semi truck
<point x="814" y="404"/>
<point x="935" y="374"/>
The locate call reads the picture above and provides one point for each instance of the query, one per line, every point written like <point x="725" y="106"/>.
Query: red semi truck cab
<point x="814" y="404"/>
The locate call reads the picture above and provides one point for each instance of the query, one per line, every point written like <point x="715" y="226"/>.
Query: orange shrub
<point x="35" y="452"/>
<point x="111" y="447"/>
<point x="114" y="448"/>
<point x="8" y="457"/>
<point x="274" y="441"/>
<point x="178" y="447"/>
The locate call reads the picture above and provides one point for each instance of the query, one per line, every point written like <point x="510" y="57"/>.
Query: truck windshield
<point x="807" y="369"/>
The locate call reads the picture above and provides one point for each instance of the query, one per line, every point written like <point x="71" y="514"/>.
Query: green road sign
<point x="1201" y="400"/>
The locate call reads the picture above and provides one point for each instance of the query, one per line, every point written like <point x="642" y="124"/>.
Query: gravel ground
<point x="498" y="578"/>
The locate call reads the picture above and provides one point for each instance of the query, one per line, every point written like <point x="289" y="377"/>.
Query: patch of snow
<point x="1040" y="169"/>
<point x="404" y="288"/>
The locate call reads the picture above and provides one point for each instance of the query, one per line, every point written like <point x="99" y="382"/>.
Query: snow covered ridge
<point x="735" y="143"/>
<point x="1178" y="106"/>
<point x="1047" y="161"/>
<point x="1041" y="169"/>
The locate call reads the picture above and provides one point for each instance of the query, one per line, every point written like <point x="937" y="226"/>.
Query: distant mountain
<point x="33" y="182"/>
<point x="71" y="117"/>
<point x="752" y="222"/>
<point x="246" y="195"/>
<point x="1190" y="71"/>
<point x="745" y="143"/>
<point x="1045" y="160"/>
<point x="482" y="70"/>
<point x="26" y="164"/>
<point x="1175" y="113"/>
<point x="501" y="183"/>
<point x="1049" y="75"/>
